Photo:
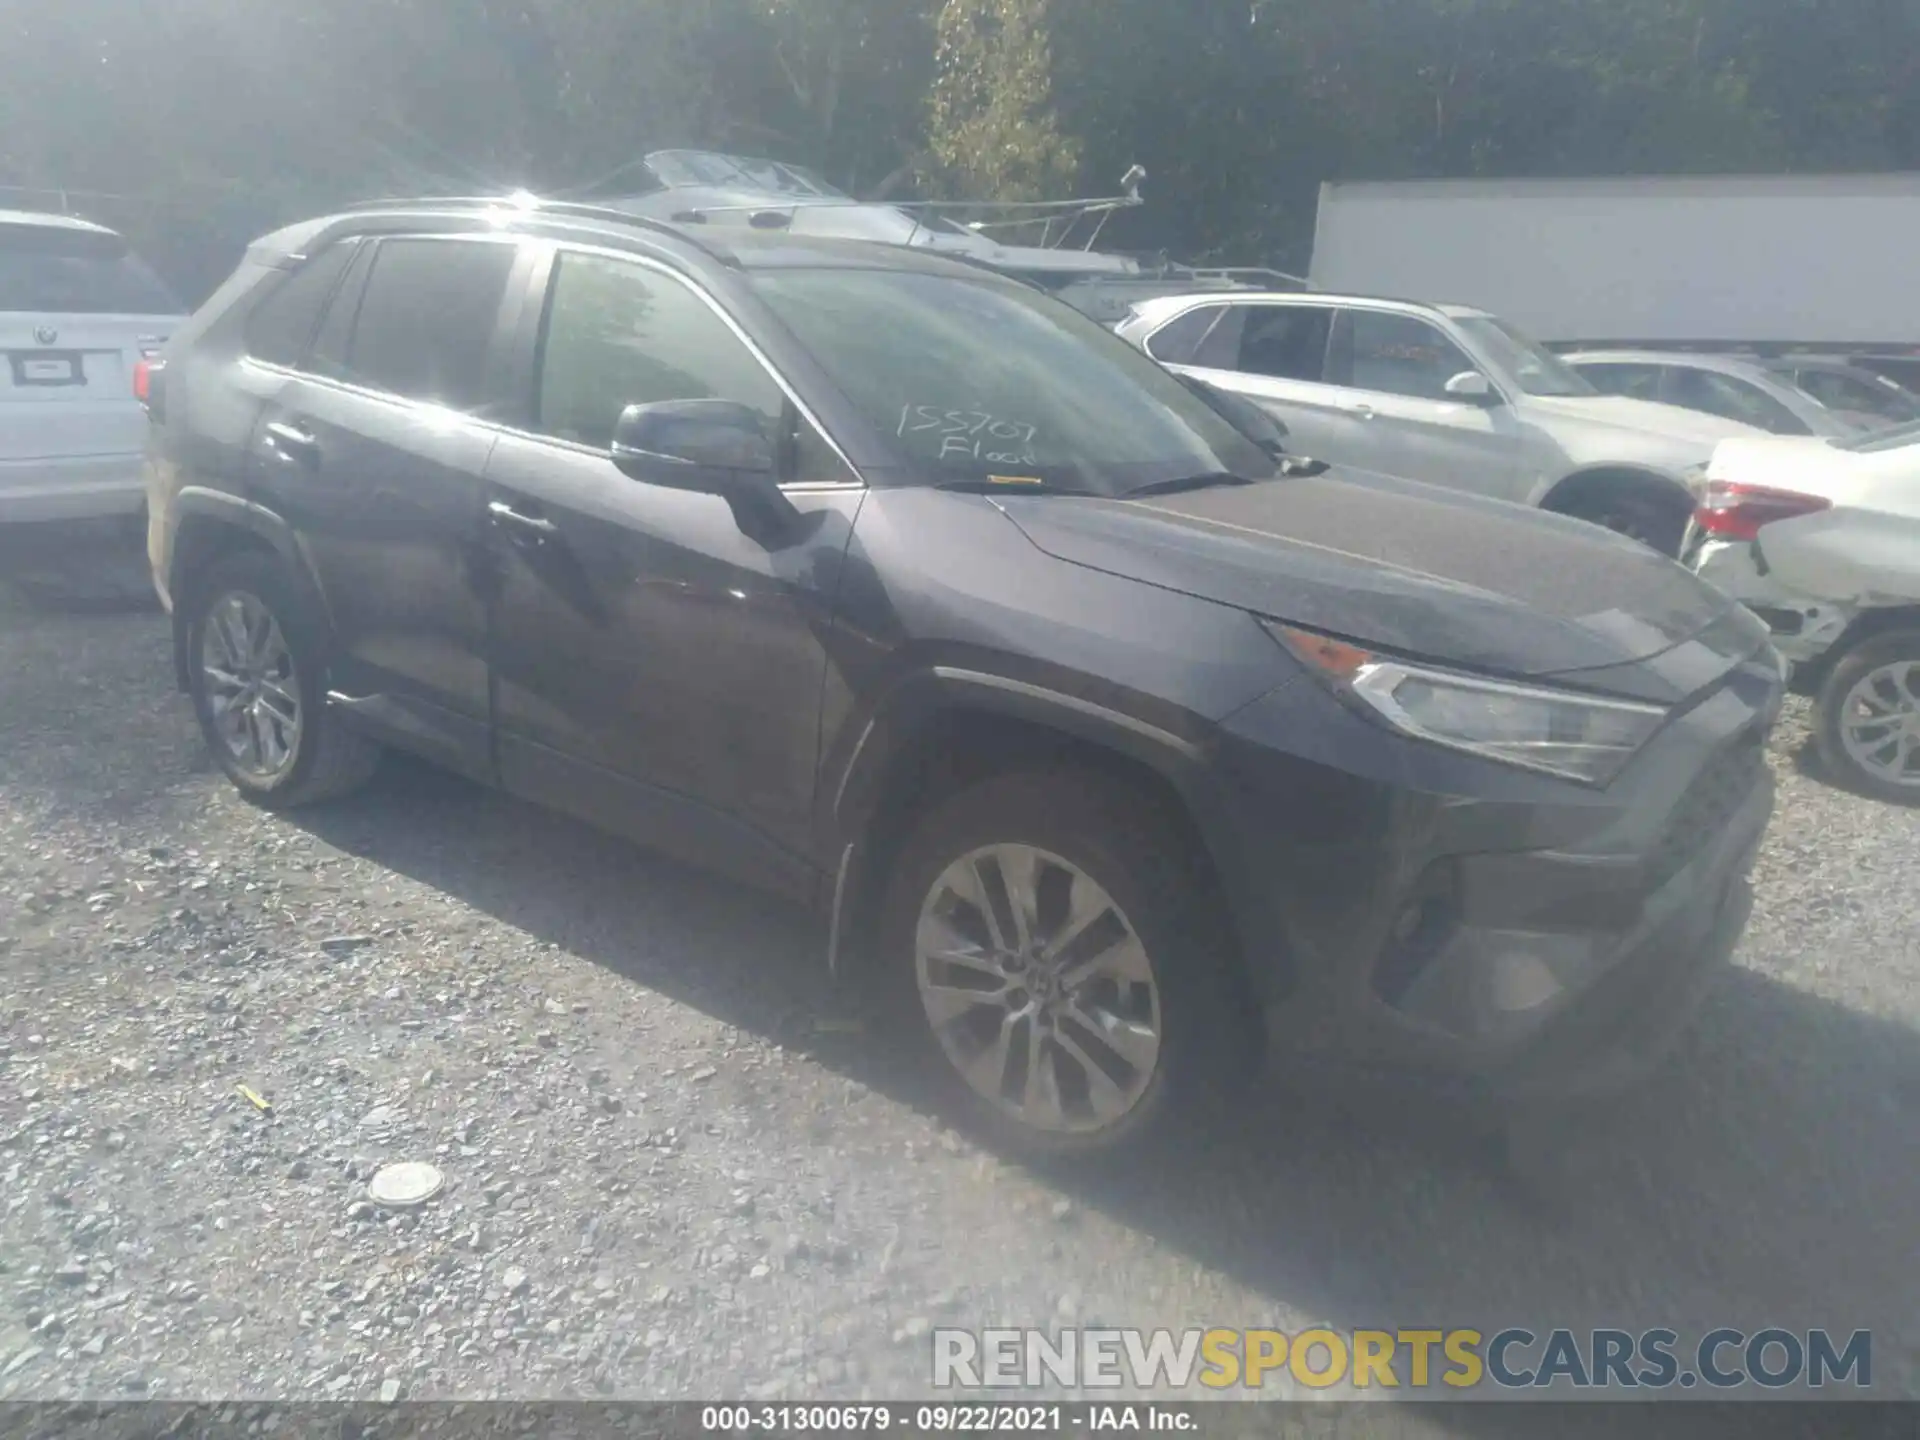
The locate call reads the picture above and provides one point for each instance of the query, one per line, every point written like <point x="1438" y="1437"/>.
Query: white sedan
<point x="1821" y="539"/>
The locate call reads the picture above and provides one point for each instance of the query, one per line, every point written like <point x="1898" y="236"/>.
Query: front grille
<point x="1713" y="799"/>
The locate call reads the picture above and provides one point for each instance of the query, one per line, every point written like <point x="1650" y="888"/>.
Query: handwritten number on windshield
<point x="971" y="434"/>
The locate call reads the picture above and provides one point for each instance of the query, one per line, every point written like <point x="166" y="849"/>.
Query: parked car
<point x="1109" y="745"/>
<point x="1871" y="399"/>
<point x="1445" y="395"/>
<point x="1822" y="540"/>
<point x="80" y="315"/>
<point x="1730" y="386"/>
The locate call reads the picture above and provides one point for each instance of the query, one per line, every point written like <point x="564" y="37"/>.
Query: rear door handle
<point x="531" y="527"/>
<point x="293" y="442"/>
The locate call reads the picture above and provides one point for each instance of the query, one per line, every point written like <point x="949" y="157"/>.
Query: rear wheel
<point x="1867" y="724"/>
<point x="254" y="670"/>
<point x="1046" y="941"/>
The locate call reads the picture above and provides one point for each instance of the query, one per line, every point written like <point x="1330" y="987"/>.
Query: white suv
<point x="1444" y="395"/>
<point x="80" y="316"/>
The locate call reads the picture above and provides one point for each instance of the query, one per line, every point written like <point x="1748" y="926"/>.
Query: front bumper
<point x="1485" y="934"/>
<point x="1804" y="628"/>
<point x="88" y="487"/>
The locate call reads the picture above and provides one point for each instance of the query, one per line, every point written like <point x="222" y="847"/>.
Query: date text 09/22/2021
<point x="971" y="1419"/>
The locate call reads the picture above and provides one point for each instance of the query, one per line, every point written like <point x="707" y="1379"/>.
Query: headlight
<point x="1562" y="732"/>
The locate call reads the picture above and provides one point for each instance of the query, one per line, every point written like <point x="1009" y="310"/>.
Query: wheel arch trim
<point x="198" y="507"/>
<point x="1622" y="471"/>
<point x="902" y="724"/>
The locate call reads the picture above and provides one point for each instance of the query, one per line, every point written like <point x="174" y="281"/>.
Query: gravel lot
<point x="676" y="1168"/>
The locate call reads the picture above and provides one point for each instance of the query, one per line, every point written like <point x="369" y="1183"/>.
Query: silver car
<point x="1730" y="386"/>
<point x="1444" y="395"/>
<point x="80" y="316"/>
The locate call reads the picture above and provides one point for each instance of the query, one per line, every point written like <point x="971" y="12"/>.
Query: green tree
<point x="993" y="132"/>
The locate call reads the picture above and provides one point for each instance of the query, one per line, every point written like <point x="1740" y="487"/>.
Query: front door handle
<point x="293" y="442"/>
<point x="531" y="527"/>
<point x="1365" y="412"/>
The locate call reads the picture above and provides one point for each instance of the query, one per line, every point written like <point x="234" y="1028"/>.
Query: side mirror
<point x="715" y="447"/>
<point x="710" y="447"/>
<point x="1472" y="387"/>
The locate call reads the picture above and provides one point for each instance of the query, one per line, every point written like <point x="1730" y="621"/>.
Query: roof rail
<point x="532" y="205"/>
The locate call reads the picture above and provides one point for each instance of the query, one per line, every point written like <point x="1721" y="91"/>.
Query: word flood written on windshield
<point x="970" y="434"/>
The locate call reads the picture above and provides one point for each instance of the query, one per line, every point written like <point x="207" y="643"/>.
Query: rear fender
<point x="212" y="523"/>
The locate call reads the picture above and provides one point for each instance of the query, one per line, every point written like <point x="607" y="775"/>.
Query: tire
<point x="1654" y="520"/>
<point x="323" y="758"/>
<point x="1832" y="711"/>
<point x="1120" y="845"/>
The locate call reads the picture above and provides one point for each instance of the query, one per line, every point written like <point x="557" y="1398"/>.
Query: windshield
<point x="1525" y="362"/>
<point x="680" y="169"/>
<point x="1898" y="438"/>
<point x="1863" y="394"/>
<point x="984" y="382"/>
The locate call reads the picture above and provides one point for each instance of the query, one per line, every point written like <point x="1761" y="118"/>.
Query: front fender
<point x="1588" y="446"/>
<point x="1174" y="746"/>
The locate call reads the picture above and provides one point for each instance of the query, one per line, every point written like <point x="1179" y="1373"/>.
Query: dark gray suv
<point x="1113" y="745"/>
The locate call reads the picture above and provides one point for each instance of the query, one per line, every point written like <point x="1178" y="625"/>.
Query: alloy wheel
<point x="253" y="693"/>
<point x="1038" y="989"/>
<point x="1880" y="723"/>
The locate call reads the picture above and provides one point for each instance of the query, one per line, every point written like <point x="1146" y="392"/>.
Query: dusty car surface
<point x="1113" y="747"/>
<point x="1442" y="394"/>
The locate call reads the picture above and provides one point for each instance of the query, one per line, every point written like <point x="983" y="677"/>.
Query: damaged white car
<point x="1821" y="539"/>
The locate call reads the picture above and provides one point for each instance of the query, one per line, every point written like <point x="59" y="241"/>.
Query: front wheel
<point x="1048" y="942"/>
<point x="254" y="672"/>
<point x="1867" y="724"/>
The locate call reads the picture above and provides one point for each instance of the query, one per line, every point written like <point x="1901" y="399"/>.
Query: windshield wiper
<point x="1009" y="487"/>
<point x="1207" y="481"/>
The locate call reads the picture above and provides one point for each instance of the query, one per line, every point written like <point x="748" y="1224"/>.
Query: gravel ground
<point x="675" y="1168"/>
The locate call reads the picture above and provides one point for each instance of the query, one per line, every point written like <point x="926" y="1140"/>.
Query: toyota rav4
<point x="1116" y="747"/>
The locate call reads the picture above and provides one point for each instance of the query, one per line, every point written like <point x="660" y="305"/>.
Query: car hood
<point x="1423" y="572"/>
<point x="1643" y="416"/>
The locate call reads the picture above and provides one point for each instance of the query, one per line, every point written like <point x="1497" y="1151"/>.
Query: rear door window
<point x="59" y="270"/>
<point x="1285" y="342"/>
<point x="427" y="319"/>
<point x="281" y="327"/>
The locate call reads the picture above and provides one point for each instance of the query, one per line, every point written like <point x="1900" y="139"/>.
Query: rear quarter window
<point x="55" y="270"/>
<point x="282" y="325"/>
<point x="1176" y="342"/>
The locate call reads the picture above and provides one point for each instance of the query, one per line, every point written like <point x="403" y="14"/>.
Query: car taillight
<point x="148" y="373"/>
<point x="1732" y="511"/>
